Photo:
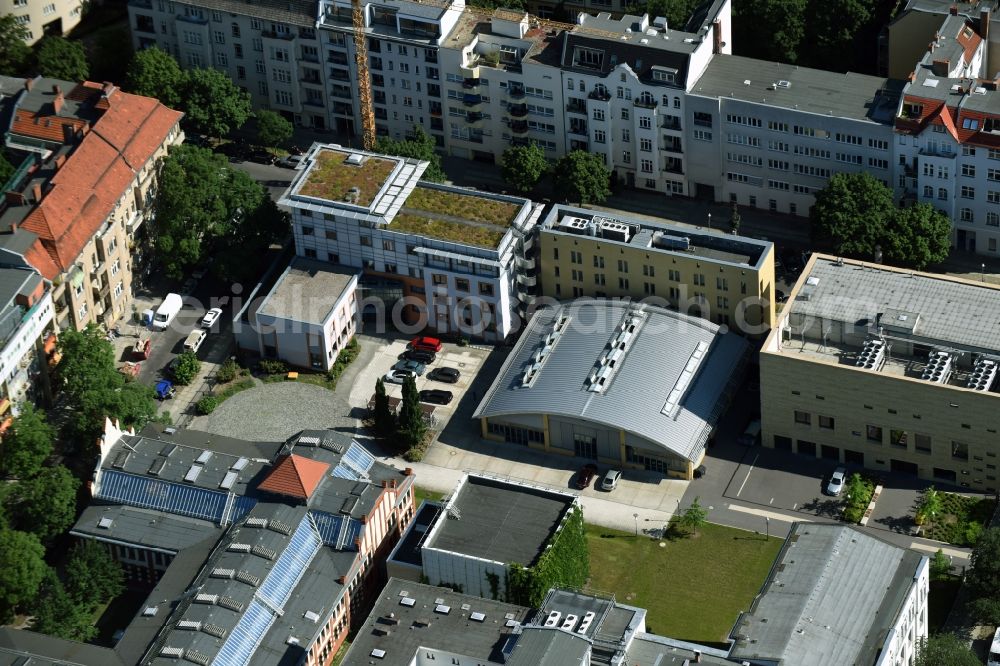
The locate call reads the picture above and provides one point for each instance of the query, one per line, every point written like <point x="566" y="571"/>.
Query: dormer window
<point x="589" y="58"/>
<point x="663" y="75"/>
<point x="913" y="110"/>
<point x="970" y="124"/>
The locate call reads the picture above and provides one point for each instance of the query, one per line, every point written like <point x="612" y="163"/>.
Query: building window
<point x="485" y="289"/>
<point x="922" y="443"/>
<point x="575" y="257"/>
<point x="388" y="246"/>
<point x="874" y="434"/>
<point x="968" y="192"/>
<point x="309" y="252"/>
<point x="439" y="280"/>
<point x="959" y="450"/>
<point x="898" y="438"/>
<point x="461" y="284"/>
<point x="992" y="218"/>
<point x="805" y="418"/>
<point x="826" y="422"/>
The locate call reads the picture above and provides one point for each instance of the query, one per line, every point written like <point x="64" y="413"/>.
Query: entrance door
<point x="854" y="458"/>
<point x="904" y="467"/>
<point x="807" y="448"/>
<point x="830" y="452"/>
<point x="585" y="446"/>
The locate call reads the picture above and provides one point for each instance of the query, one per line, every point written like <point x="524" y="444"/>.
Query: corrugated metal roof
<point x="635" y="396"/>
<point x="549" y="647"/>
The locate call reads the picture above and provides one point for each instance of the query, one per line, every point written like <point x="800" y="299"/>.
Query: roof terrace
<point x="452" y="215"/>
<point x="338" y="175"/>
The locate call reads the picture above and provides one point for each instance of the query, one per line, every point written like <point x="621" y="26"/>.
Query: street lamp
<point x="709" y="220"/>
<point x="767" y="527"/>
<point x="635" y="516"/>
<point x="983" y="269"/>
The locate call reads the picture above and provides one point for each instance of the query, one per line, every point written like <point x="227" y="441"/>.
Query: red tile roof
<point x="83" y="192"/>
<point x="295" y="476"/>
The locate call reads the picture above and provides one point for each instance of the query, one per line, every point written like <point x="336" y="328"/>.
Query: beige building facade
<point x="888" y="369"/>
<point x="726" y="279"/>
<point x="45" y="17"/>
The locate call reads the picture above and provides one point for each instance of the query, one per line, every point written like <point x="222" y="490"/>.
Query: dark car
<point x="261" y="156"/>
<point x="446" y="375"/>
<point x="436" y="396"/>
<point x="420" y="355"/>
<point x="586" y="475"/>
<point x="699" y="471"/>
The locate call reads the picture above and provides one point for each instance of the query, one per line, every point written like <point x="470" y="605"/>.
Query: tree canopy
<point x="411" y="418"/>
<point x="203" y="205"/>
<point x="45" y="504"/>
<point x="917" y="236"/>
<point x="22" y="569"/>
<point x="186" y="368"/>
<point x="385" y="421"/>
<point x="984" y="573"/>
<point x="212" y="103"/>
<point x="273" y="129"/>
<point x="56" y="613"/>
<point x="14" y="53"/>
<point x="92" y="576"/>
<point x="677" y="12"/>
<point x="945" y="650"/>
<point x="786" y="24"/>
<point x="694" y="517"/>
<point x="27" y="444"/>
<point x="523" y="166"/>
<point x="419" y="145"/>
<point x="59" y="58"/>
<point x="581" y="177"/>
<point x="155" y="73"/>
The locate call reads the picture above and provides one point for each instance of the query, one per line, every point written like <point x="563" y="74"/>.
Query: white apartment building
<point x="26" y="338"/>
<point x="768" y="135"/>
<point x="44" y="17"/>
<point x="431" y="256"/>
<point x="948" y="134"/>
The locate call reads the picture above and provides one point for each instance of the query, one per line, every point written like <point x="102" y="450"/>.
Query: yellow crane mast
<point x="364" y="76"/>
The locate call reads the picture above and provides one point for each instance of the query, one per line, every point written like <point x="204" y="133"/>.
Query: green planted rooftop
<point x="332" y="177"/>
<point x="451" y="216"/>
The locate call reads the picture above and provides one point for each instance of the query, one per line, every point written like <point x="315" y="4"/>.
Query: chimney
<point x="408" y="471"/>
<point x="717" y="36"/>
<point x="28" y="83"/>
<point x="36" y="191"/>
<point x="57" y="103"/>
<point x="56" y="90"/>
<point x="912" y="77"/>
<point x="984" y="24"/>
<point x="953" y="10"/>
<point x="940" y="67"/>
<point x="60" y="161"/>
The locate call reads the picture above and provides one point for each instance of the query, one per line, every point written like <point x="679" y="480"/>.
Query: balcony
<point x="517" y="110"/>
<point x="672" y="147"/>
<point x="341" y="93"/>
<point x="379" y="98"/>
<point x="519" y="127"/>
<point x="515" y="92"/>
<point x="471" y="83"/>
<point x="673" y="166"/>
<point x="470" y="73"/>
<point x="937" y="151"/>
<point x="430" y="56"/>
<point x="600" y="95"/>
<point x="646" y="102"/>
<point x="672" y="123"/>
<point x="577" y="106"/>
<point x="579" y="145"/>
<point x="580" y="129"/>
<point x="703" y="122"/>
<point x="309" y="57"/>
<point x="526" y="280"/>
<point x="312" y="79"/>
<point x="474" y="118"/>
<point x="144" y="4"/>
<point x="526" y="264"/>
<point x="145" y="24"/>
<point x="470" y="101"/>
<point x="274" y="34"/>
<point x="101" y="289"/>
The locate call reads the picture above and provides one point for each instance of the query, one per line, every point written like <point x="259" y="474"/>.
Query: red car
<point x="587" y="474"/>
<point x="426" y="344"/>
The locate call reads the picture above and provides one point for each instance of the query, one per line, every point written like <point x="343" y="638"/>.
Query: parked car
<point x="586" y="475"/>
<point x="195" y="339"/>
<point x="164" y="390"/>
<point x="398" y="376"/>
<point x="610" y="480"/>
<point x="426" y="343"/>
<point x="261" y="156"/>
<point x="414" y="367"/>
<point x="446" y="375"/>
<point x="751" y="434"/>
<point x="290" y="162"/>
<point x="436" y="396"/>
<point x="836" y="484"/>
<point x="208" y="321"/>
<point x="700" y="471"/>
<point x="420" y="355"/>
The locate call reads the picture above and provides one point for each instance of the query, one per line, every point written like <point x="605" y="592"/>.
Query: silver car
<point x="399" y="376"/>
<point x="610" y="480"/>
<point x="836" y="484"/>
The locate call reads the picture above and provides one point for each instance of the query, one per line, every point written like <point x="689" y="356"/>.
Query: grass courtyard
<point x="693" y="588"/>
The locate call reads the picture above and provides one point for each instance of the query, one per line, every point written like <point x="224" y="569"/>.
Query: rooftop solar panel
<point x="245" y="636"/>
<point x="292" y="564"/>
<point x="149" y="493"/>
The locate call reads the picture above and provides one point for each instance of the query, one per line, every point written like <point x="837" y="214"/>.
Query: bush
<point x="187" y="368"/>
<point x="414" y="454"/>
<point x="207" y="405"/>
<point x="344" y="359"/>
<point x="272" y="366"/>
<point x="227" y="371"/>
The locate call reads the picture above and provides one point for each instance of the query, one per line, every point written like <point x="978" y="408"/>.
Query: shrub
<point x="227" y="371"/>
<point x="187" y="368"/>
<point x="272" y="366"/>
<point x="207" y="405"/>
<point x="414" y="454"/>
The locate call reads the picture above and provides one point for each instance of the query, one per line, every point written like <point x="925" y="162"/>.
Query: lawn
<point x="961" y="519"/>
<point x="693" y="588"/>
<point x="421" y="494"/>
<point x="486" y="236"/>
<point x="331" y="178"/>
<point x="464" y="206"/>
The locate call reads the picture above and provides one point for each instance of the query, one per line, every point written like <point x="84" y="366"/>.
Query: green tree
<point x="523" y="166"/>
<point x="110" y="54"/>
<point x="417" y="145"/>
<point x="986" y="610"/>
<point x="852" y="214"/>
<point x="917" y="236"/>
<point x="940" y="565"/>
<point x="22" y="569"/>
<point x="14" y="53"/>
<point x="581" y="177"/>
<point x="385" y="421"/>
<point x="44" y="505"/>
<point x="786" y="22"/>
<point x="412" y="427"/>
<point x="27" y="445"/>
<point x="831" y="31"/>
<point x="983" y="578"/>
<point x="186" y="368"/>
<point x="6" y="168"/>
<point x="945" y="650"/>
<point x="677" y="12"/>
<point x="259" y="228"/>
<point x="56" y="613"/>
<point x="59" y="58"/>
<point x="203" y="205"/>
<point x="155" y="73"/>
<point x="273" y="129"/>
<point x="928" y="505"/>
<point x="694" y="517"/>
<point x="92" y="576"/>
<point x="212" y="103"/>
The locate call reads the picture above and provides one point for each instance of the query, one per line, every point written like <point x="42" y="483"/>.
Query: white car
<point x="194" y="340"/>
<point x="836" y="482"/>
<point x="610" y="480"/>
<point x="399" y="376"/>
<point x="208" y="321"/>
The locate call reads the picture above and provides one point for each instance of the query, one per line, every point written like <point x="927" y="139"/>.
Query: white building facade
<point x="44" y="17"/>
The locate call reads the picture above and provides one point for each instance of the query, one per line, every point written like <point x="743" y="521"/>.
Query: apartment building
<point x="454" y="260"/>
<point x="948" y="133"/>
<point x="888" y="369"/>
<point x="273" y="549"/>
<point x="44" y="17"/>
<point x="770" y="135"/>
<point x="725" y="279"/>
<point x="919" y="24"/>
<point x="27" y="340"/>
<point x="75" y="208"/>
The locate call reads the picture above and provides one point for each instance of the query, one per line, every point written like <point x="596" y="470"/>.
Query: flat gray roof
<point x="951" y="311"/>
<point x="653" y="649"/>
<point x="307" y="291"/>
<point x="667" y="387"/>
<point x="499" y="521"/>
<point x="850" y="95"/>
<point x="831" y="598"/>
<point x="400" y="629"/>
<point x="148" y="527"/>
<point x="538" y="646"/>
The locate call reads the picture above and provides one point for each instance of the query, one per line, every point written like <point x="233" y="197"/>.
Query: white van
<point x="168" y="309"/>
<point x="194" y="339"/>
<point x="994" y="658"/>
